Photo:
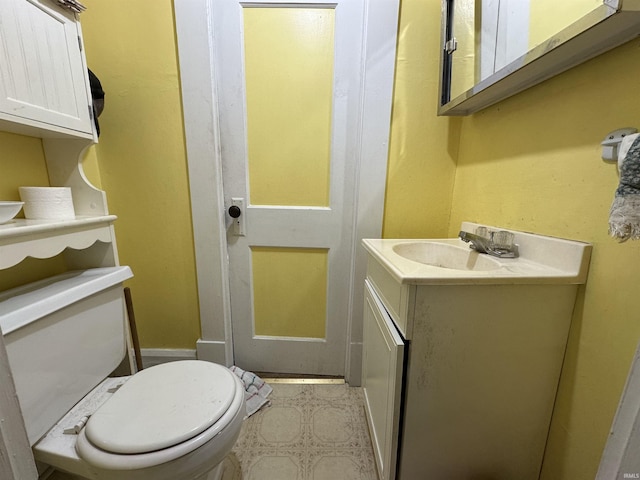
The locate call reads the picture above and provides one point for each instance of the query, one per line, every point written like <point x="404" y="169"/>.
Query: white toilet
<point x="64" y="335"/>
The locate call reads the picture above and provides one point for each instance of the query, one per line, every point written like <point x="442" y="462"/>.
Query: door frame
<point x="620" y="454"/>
<point x="196" y="41"/>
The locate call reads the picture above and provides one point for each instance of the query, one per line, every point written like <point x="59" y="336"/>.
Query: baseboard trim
<point x="156" y="356"/>
<point x="213" y="351"/>
<point x="354" y="372"/>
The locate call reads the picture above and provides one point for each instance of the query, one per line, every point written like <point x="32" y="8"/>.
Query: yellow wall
<point x="22" y="164"/>
<point x="423" y="147"/>
<point x="131" y="47"/>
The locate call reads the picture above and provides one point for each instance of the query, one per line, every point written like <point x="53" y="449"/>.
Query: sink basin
<point x="446" y="256"/>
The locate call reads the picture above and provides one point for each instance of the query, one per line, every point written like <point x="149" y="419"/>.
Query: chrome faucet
<point x="498" y="244"/>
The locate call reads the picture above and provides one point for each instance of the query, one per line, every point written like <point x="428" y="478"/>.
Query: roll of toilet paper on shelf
<point x="47" y="203"/>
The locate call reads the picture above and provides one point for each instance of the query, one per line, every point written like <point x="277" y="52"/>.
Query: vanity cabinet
<point x="383" y="358"/>
<point x="44" y="89"/>
<point x="460" y="378"/>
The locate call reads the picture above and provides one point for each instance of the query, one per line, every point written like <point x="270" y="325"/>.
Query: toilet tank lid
<point x="162" y="406"/>
<point x="22" y="305"/>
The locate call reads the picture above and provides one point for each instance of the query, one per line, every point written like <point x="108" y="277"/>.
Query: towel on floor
<point x="256" y="390"/>
<point x="624" y="217"/>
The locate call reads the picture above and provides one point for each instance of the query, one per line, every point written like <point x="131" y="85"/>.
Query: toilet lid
<point x="162" y="406"/>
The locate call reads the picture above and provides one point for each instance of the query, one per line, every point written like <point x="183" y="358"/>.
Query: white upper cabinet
<point x="44" y="88"/>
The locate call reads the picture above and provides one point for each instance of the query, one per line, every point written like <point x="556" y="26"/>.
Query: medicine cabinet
<point x="493" y="49"/>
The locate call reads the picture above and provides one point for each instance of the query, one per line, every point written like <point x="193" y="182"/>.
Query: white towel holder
<point x="612" y="141"/>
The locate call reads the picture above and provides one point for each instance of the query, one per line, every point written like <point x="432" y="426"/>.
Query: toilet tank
<point x="63" y="335"/>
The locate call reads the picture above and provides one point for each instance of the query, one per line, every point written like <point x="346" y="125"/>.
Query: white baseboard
<point x="354" y="372"/>
<point x="155" y="356"/>
<point x="213" y="351"/>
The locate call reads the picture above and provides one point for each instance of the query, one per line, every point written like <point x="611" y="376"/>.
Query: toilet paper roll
<point x="47" y="203"/>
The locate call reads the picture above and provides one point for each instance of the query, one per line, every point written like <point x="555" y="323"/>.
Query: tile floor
<point x="309" y="432"/>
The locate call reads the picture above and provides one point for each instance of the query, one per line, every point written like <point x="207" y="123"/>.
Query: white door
<point x="210" y="46"/>
<point x="289" y="85"/>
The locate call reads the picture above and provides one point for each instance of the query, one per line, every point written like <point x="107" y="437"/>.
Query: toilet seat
<point x="187" y="397"/>
<point x="198" y="372"/>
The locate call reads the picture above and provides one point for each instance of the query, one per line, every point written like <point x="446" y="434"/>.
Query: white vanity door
<point x="382" y="369"/>
<point x="43" y="77"/>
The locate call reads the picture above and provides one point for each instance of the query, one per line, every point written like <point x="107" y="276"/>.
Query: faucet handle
<point x="482" y="232"/>
<point x="502" y="240"/>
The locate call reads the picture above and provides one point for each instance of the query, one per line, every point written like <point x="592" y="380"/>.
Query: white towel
<point x="256" y="390"/>
<point x="624" y="217"/>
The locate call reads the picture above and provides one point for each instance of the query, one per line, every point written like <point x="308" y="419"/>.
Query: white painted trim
<point x="16" y="459"/>
<point x="380" y="40"/>
<point x="156" y="356"/>
<point x="196" y="41"/>
<point x="354" y="377"/>
<point x="213" y="351"/>
<point x="620" y="455"/>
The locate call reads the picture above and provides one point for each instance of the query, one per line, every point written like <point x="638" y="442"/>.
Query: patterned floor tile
<point x="320" y="429"/>
<point x="309" y="432"/>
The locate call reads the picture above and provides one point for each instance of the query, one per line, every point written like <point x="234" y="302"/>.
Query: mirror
<point x="493" y="49"/>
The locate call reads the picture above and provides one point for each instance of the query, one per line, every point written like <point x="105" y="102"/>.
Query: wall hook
<point x="612" y="141"/>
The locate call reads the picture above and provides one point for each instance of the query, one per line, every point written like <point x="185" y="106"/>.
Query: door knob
<point x="234" y="211"/>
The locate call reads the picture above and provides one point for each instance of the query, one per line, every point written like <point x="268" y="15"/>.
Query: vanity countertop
<point x="542" y="260"/>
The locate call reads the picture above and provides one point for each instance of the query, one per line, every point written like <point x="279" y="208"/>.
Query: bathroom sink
<point x="444" y="255"/>
<point x="450" y="261"/>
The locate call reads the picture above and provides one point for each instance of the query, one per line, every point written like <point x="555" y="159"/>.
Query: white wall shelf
<point x="45" y="238"/>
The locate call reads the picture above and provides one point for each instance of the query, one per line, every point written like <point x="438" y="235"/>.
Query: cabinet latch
<point x="451" y="45"/>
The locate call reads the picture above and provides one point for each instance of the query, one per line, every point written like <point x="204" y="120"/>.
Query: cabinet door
<point x="383" y="361"/>
<point x="43" y="78"/>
